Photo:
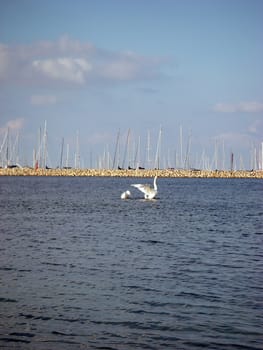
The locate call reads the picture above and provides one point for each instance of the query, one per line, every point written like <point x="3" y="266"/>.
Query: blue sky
<point x="93" y="68"/>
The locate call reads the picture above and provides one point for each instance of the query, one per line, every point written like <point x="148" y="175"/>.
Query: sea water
<point x="82" y="269"/>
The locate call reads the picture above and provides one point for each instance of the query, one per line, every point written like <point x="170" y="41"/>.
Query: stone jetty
<point x="168" y="173"/>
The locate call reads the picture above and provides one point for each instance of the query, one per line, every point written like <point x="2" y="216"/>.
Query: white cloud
<point x="224" y="108"/>
<point x="120" y="70"/>
<point x="13" y="125"/>
<point x="39" y="100"/>
<point x="251" y="107"/>
<point x="128" y="66"/>
<point x="65" y="69"/>
<point x="72" y="62"/>
<point x="245" y="107"/>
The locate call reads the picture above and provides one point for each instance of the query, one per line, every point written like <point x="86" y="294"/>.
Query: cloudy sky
<point x="96" y="69"/>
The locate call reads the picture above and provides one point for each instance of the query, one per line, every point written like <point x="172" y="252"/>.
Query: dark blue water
<point x="82" y="269"/>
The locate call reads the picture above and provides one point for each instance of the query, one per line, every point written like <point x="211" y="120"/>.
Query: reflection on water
<point x="81" y="268"/>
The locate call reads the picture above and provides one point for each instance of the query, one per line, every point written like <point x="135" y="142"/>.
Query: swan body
<point x="149" y="191"/>
<point x="126" y="195"/>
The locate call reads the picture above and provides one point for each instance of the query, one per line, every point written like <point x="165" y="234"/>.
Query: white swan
<point x="126" y="195"/>
<point x="149" y="192"/>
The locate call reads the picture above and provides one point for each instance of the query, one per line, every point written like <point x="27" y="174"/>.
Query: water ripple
<point x="79" y="268"/>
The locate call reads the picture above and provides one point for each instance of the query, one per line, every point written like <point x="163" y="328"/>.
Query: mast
<point x="116" y="150"/>
<point x="158" y="150"/>
<point x="125" y="150"/>
<point x="232" y="161"/>
<point x="16" y="148"/>
<point x="137" y="154"/>
<point x="148" y="149"/>
<point x="108" y="157"/>
<point x="39" y="154"/>
<point x="187" y="156"/>
<point x="216" y="156"/>
<point x="61" y="154"/>
<point x="129" y="151"/>
<point x="7" y="148"/>
<point x="3" y="148"/>
<point x="181" y="146"/>
<point x="45" y="145"/>
<point x="223" y="165"/>
<point x="67" y="163"/>
<point x="255" y="159"/>
<point x="77" y="155"/>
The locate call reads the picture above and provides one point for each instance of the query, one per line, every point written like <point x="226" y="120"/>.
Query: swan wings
<point x="149" y="192"/>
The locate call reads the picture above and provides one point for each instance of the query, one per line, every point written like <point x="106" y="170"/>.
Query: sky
<point x="183" y="78"/>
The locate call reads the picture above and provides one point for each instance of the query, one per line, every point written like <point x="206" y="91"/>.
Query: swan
<point x="149" y="192"/>
<point x="126" y="195"/>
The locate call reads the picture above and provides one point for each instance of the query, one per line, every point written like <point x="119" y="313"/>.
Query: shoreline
<point x="166" y="173"/>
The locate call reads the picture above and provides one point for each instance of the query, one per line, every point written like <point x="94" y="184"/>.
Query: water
<point x="82" y="269"/>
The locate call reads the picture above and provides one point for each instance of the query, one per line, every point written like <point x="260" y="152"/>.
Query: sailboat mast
<point x="148" y="149"/>
<point x="116" y="149"/>
<point x="125" y="150"/>
<point x="137" y="154"/>
<point x="223" y="145"/>
<point x="158" y="150"/>
<point x="181" y="146"/>
<point x="232" y="161"/>
<point x="7" y="148"/>
<point x="2" y="150"/>
<point x="187" y="155"/>
<point x="216" y="155"/>
<point x="61" y="154"/>
<point x="67" y="163"/>
<point x="77" y="155"/>
<point x="45" y="145"/>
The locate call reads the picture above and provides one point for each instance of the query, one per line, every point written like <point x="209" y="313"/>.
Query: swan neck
<point x="154" y="183"/>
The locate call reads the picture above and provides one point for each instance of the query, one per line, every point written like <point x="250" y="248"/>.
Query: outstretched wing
<point x="143" y="188"/>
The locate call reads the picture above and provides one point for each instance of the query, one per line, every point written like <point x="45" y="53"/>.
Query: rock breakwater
<point x="172" y="173"/>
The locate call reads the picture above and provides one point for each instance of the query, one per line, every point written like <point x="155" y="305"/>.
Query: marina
<point x="129" y="152"/>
